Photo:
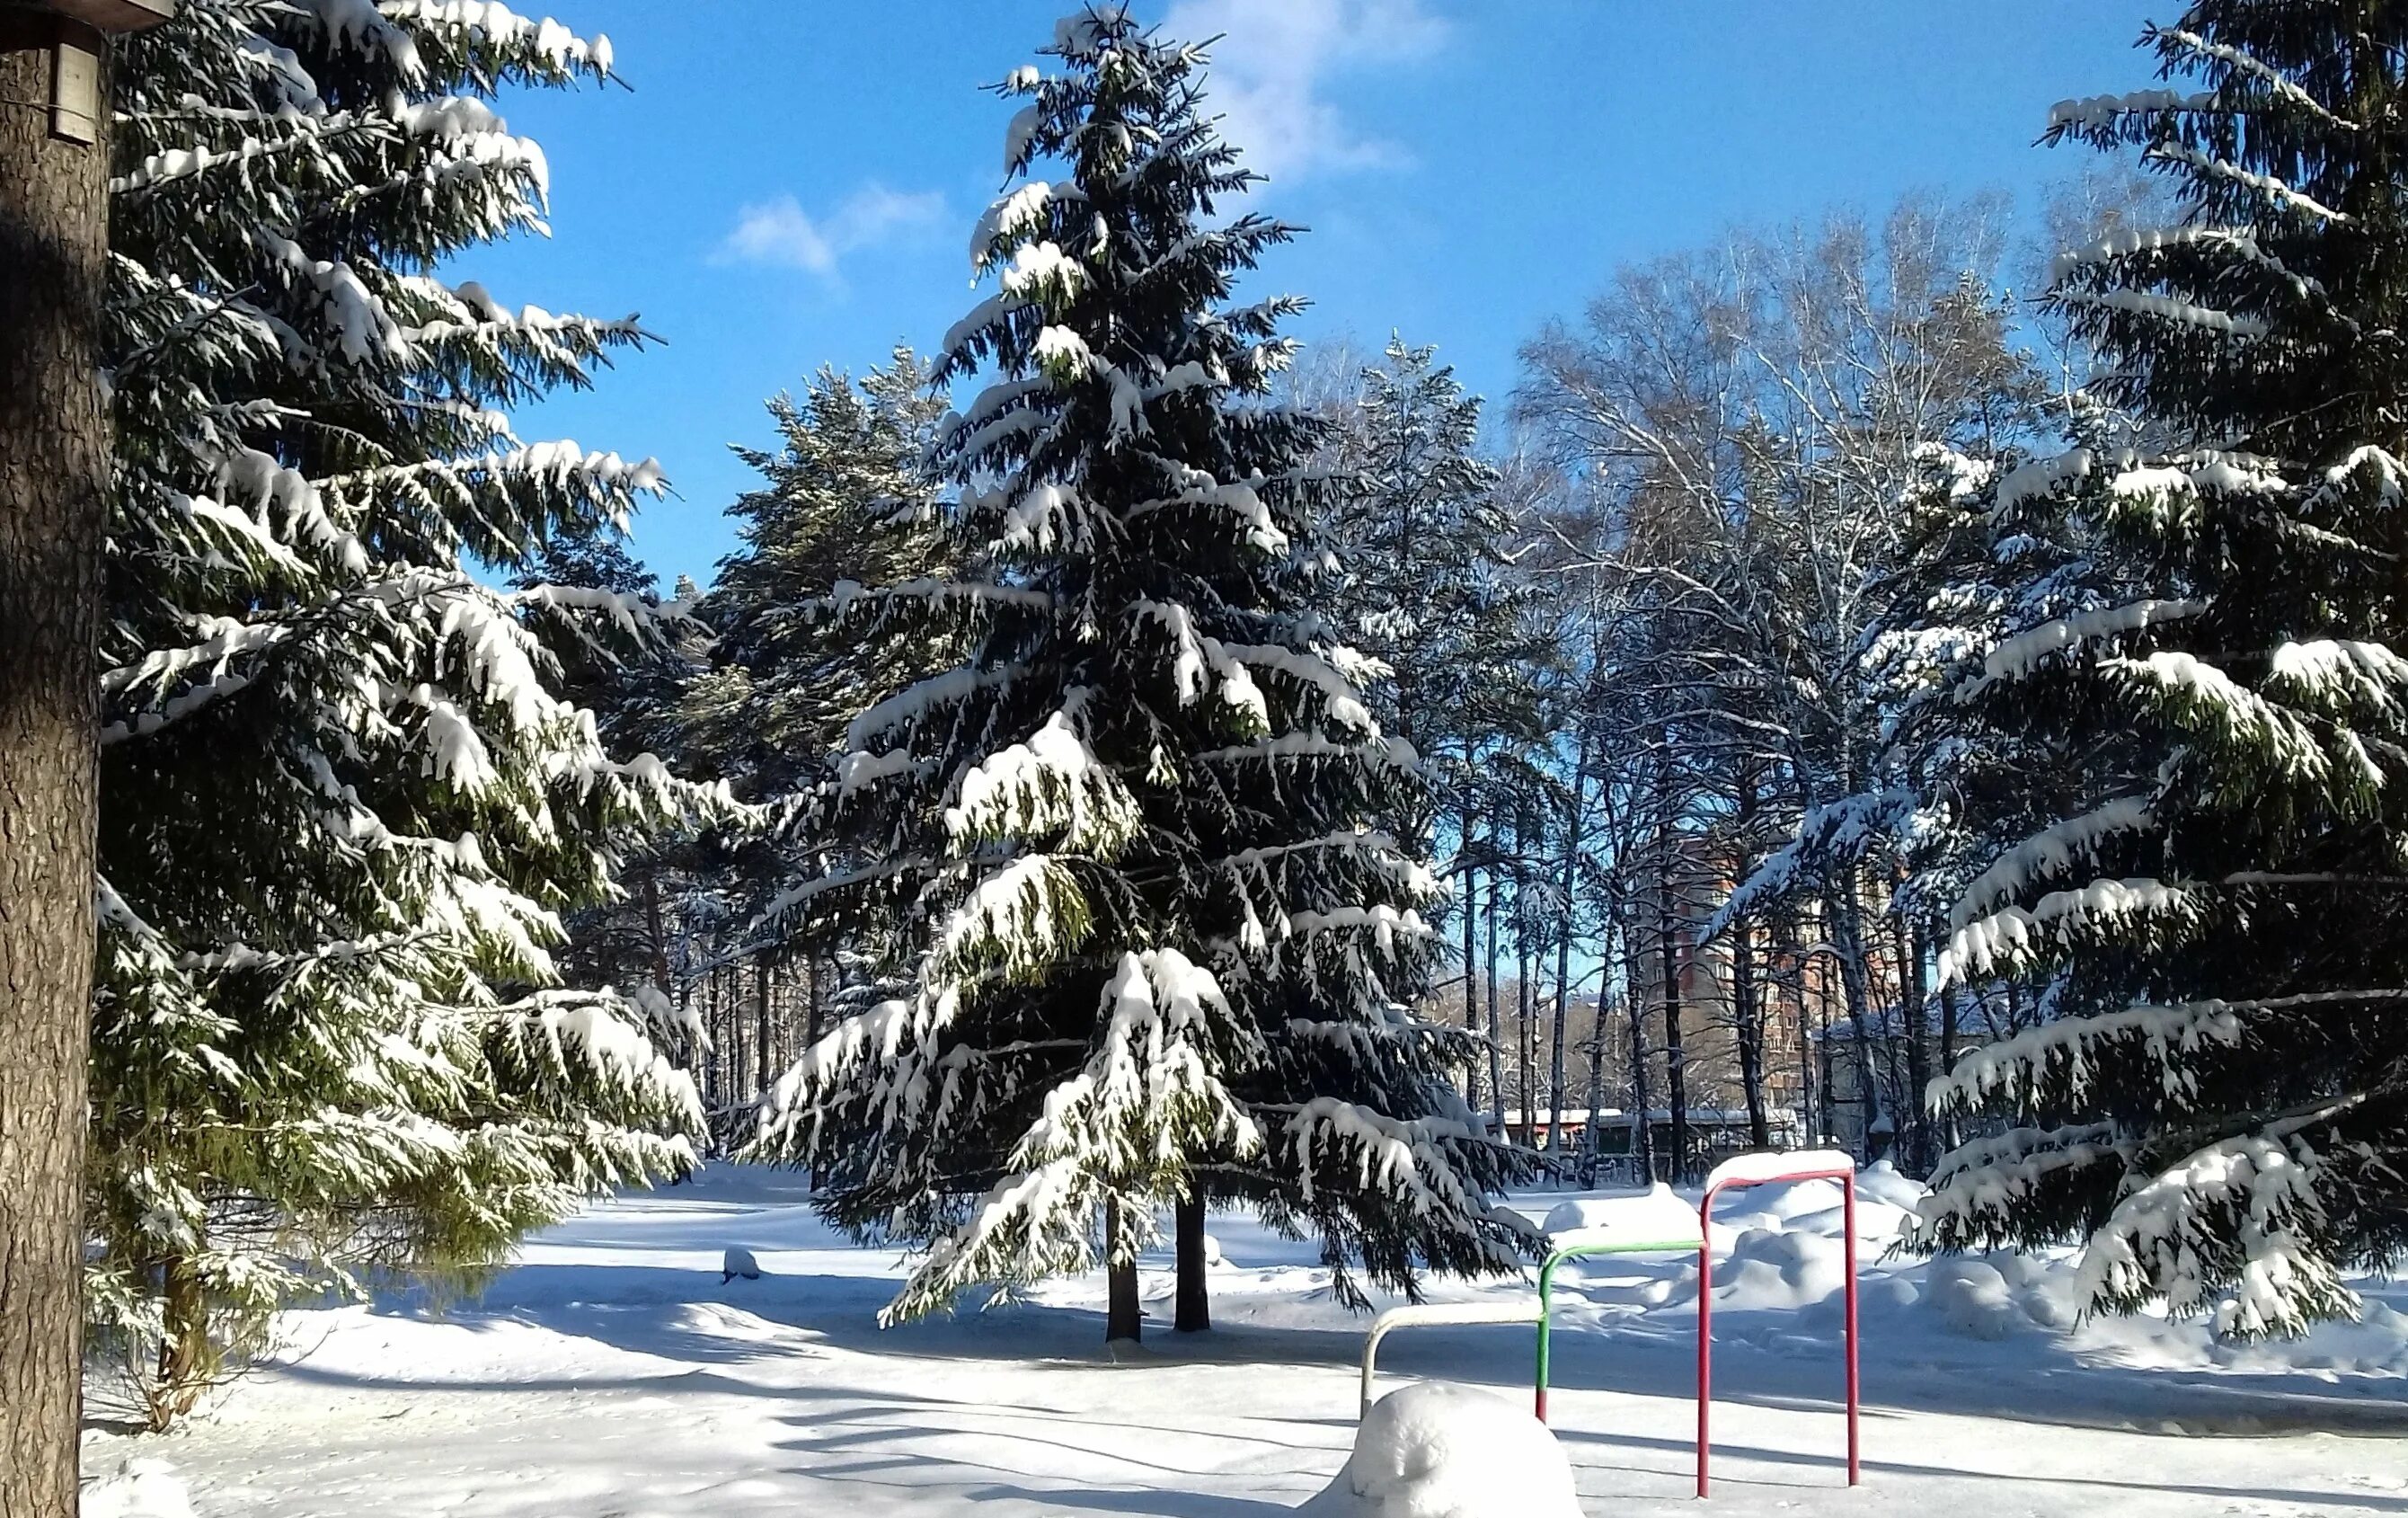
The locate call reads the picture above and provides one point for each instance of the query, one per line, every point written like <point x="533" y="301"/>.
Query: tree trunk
<point x="1496" y="1032"/>
<point x="1676" y="1079"/>
<point x="1918" y="1054"/>
<point x="187" y="1364"/>
<point x="55" y="493"/>
<point x="1642" y="1133"/>
<point x="1947" y="1134"/>
<point x="1747" y="1007"/>
<point x="1848" y="938"/>
<point x="1564" y="950"/>
<point x="1748" y="1019"/>
<point x="1525" y="1012"/>
<point x="761" y="1034"/>
<point x="1194" y="1307"/>
<point x="1122" y="1318"/>
<point x="1596" y="1080"/>
<point x="1470" y="963"/>
<point x="739" y="1063"/>
<point x="1527" y="1076"/>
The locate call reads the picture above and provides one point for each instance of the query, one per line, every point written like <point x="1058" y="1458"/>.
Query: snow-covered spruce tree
<point x="2220" y="889"/>
<point x="342" y="805"/>
<point x="1157" y="945"/>
<point x="847" y="498"/>
<point x="1420" y="527"/>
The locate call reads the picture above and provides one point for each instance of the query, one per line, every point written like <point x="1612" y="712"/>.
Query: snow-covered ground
<point x="612" y="1373"/>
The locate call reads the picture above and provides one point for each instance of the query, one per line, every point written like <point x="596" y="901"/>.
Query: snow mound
<point x="140" y="1489"/>
<point x="739" y="1262"/>
<point x="1442" y="1450"/>
<point x="1881" y="1182"/>
<point x="1654" y="1213"/>
<point x="1779" y="1269"/>
<point x="1990" y="1296"/>
<point x="1971" y="1298"/>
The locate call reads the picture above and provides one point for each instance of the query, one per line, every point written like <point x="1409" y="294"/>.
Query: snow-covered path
<point x="612" y="1375"/>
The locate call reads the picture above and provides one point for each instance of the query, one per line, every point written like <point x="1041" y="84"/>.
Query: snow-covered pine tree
<point x="2217" y="878"/>
<point x="847" y="498"/>
<point x="343" y="807"/>
<point x="1419" y="523"/>
<point x="1158" y="946"/>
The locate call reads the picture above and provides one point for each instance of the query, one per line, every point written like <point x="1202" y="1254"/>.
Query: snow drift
<point x="1442" y="1450"/>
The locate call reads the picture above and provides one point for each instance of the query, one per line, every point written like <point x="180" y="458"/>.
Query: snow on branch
<point x="2055" y="850"/>
<point x="911" y="706"/>
<point x="2170" y="308"/>
<point x="2131" y="240"/>
<point x="1050" y="782"/>
<point x="1019" y="919"/>
<point x="2336" y="675"/>
<point x="1828" y="835"/>
<point x="2243" y="1208"/>
<point x="1385" y="923"/>
<point x="2268" y="185"/>
<point x="1408" y="1158"/>
<point x="2099" y="111"/>
<point x="1146" y="1098"/>
<point x="2017" y="1067"/>
<point x="585" y="1028"/>
<point x="2008" y="939"/>
<point x="2018" y="656"/>
<point x="1992" y="1177"/>
<point x="2275" y="81"/>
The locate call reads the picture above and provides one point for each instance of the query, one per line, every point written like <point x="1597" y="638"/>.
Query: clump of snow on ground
<point x="1629" y="1216"/>
<point x="1442" y="1450"/>
<point x="140" y="1489"/>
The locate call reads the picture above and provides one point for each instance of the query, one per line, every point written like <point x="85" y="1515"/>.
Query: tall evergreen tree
<point x="847" y="498"/>
<point x="1422" y="531"/>
<point x="1157" y="942"/>
<point x="344" y="805"/>
<point x="2213" y="878"/>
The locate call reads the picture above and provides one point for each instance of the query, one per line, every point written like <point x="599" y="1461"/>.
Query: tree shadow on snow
<point x="1140" y="1502"/>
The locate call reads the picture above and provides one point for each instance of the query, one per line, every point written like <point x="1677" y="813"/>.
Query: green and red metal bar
<point x="1843" y="1171"/>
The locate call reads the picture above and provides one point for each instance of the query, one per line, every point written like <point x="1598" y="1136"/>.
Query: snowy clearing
<point x="614" y="1374"/>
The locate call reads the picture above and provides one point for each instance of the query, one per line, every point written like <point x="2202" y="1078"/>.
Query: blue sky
<point x="792" y="183"/>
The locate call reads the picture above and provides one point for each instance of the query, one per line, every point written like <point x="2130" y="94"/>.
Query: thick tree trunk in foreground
<point x="1122" y="1317"/>
<point x="53" y="510"/>
<point x="1194" y="1300"/>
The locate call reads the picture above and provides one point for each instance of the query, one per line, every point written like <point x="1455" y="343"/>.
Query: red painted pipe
<point x="1705" y="1304"/>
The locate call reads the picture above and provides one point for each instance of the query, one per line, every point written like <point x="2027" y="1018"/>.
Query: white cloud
<point x="1274" y="55"/>
<point x="779" y="234"/>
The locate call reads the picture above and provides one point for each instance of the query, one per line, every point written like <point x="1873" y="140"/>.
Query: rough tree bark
<point x="54" y="482"/>
<point x="1748" y="1017"/>
<point x="1122" y="1319"/>
<point x="1192" y="1308"/>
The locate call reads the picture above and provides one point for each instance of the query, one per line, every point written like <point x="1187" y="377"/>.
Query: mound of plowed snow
<point x="1442" y="1451"/>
